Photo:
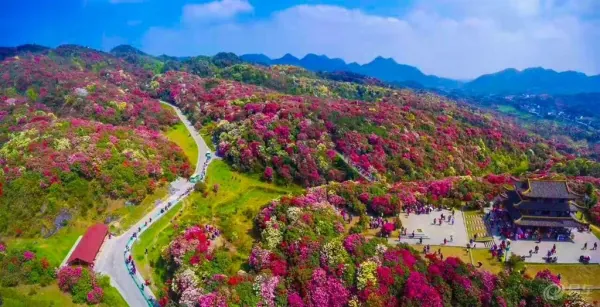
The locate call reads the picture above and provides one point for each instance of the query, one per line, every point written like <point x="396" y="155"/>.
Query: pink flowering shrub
<point x="82" y="283"/>
<point x="95" y="295"/>
<point x="193" y="246"/>
<point x="68" y="277"/>
<point x="28" y="255"/>
<point x="314" y="264"/>
<point x="327" y="290"/>
<point x="352" y="241"/>
<point x="77" y="162"/>
<point x="19" y="266"/>
<point x="547" y="275"/>
<point x="418" y="292"/>
<point x="309" y="134"/>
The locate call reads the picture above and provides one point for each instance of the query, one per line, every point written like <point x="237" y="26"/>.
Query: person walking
<point x="585" y="246"/>
<point x="595" y="246"/>
<point x="451" y="238"/>
<point x="537" y="249"/>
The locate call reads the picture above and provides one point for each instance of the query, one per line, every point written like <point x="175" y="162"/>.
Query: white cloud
<point x="216" y="10"/>
<point x="452" y="38"/>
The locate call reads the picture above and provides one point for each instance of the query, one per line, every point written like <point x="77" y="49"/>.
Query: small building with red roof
<point x="89" y="246"/>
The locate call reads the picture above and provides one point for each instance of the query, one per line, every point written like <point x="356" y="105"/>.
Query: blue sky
<point x="451" y="38"/>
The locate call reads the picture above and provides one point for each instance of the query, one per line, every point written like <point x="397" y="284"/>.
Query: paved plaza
<point x="566" y="252"/>
<point x="423" y="226"/>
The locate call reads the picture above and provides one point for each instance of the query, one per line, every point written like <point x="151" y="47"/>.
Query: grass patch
<point x="448" y="251"/>
<point x="29" y="295"/>
<point x="179" y="135"/>
<point x="131" y="214"/>
<point x="25" y="296"/>
<point x="206" y="133"/>
<point x="508" y="109"/>
<point x="232" y="209"/>
<point x="55" y="248"/>
<point x="153" y="239"/>
<point x="112" y="297"/>
<point x="489" y="263"/>
<point x="571" y="274"/>
<point x="595" y="230"/>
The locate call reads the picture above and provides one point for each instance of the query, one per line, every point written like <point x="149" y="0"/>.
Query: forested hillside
<point x="283" y="122"/>
<point x="81" y="130"/>
<point x="76" y="131"/>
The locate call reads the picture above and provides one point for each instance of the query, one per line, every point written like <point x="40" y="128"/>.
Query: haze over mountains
<point x="509" y="81"/>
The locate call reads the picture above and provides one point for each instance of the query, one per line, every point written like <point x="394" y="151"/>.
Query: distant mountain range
<point x="508" y="81"/>
<point x="535" y="81"/>
<point x="381" y="68"/>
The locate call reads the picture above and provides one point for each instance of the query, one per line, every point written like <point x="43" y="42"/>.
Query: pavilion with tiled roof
<point x="542" y="204"/>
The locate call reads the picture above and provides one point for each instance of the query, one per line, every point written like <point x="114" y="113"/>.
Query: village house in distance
<point x="543" y="208"/>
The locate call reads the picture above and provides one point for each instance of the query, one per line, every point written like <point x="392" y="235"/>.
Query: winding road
<point x="111" y="259"/>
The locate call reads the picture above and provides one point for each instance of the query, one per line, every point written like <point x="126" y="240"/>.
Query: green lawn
<point x="489" y="263"/>
<point x="232" y="209"/>
<point x="449" y="251"/>
<point x="182" y="137"/>
<point x="206" y="133"/>
<point x="28" y="295"/>
<point x="131" y="214"/>
<point x="153" y="239"/>
<point x="55" y="248"/>
<point x="508" y="109"/>
<point x="571" y="274"/>
<point x="235" y="205"/>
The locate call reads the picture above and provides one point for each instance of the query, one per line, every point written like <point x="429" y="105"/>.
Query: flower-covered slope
<point x="404" y="136"/>
<point x="305" y="258"/>
<point x="54" y="166"/>
<point x="85" y="84"/>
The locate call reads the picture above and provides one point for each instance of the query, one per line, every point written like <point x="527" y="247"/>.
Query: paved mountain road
<point x="111" y="259"/>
